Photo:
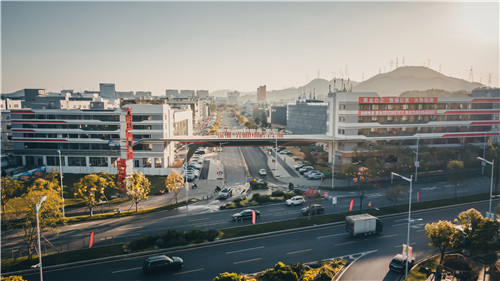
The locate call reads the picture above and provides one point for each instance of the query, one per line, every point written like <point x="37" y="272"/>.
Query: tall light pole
<point x="409" y="220"/>
<point x="220" y="160"/>
<point x="38" y="206"/>
<point x="333" y="164"/>
<point x="276" y="157"/>
<point x="416" y="161"/>
<point x="62" y="189"/>
<point x="492" y="163"/>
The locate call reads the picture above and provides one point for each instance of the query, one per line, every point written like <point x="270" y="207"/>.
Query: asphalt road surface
<point x="255" y="254"/>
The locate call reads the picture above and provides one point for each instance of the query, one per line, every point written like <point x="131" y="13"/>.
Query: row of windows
<point x="415" y="106"/>
<point x="101" y="162"/>
<point x="421" y="130"/>
<point x="70" y="146"/>
<point x="114" y="117"/>
<point x="420" y="118"/>
<point x="72" y="136"/>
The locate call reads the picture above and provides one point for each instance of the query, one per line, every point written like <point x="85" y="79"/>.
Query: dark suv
<point x="398" y="263"/>
<point x="162" y="263"/>
<point x="314" y="209"/>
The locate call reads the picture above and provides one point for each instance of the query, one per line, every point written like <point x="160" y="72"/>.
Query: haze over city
<point x="153" y="46"/>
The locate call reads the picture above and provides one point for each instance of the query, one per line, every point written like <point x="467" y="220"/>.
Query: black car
<point x="162" y="263"/>
<point x="314" y="209"/>
<point x="245" y="214"/>
<point x="398" y="263"/>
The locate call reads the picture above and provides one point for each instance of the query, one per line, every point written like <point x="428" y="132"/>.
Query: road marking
<point x="400" y="224"/>
<point x="387" y="236"/>
<point x="129" y="228"/>
<point x="350" y="242"/>
<point x="130" y="269"/>
<point x="199" y="219"/>
<point x="238" y="262"/>
<point x="301" y="251"/>
<point x="331" y="235"/>
<point x="420" y="230"/>
<point x="189" y="271"/>
<point x="244" y="250"/>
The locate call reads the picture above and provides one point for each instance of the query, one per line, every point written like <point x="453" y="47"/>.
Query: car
<point x="162" y="263"/>
<point x="314" y="209"/>
<point x="398" y="263"/>
<point x="305" y="169"/>
<point x="298" y="166"/>
<point x="310" y="172"/>
<point x="226" y="193"/>
<point x="263" y="172"/>
<point x="200" y="152"/>
<point x="315" y="176"/>
<point x="296" y="200"/>
<point x="245" y="214"/>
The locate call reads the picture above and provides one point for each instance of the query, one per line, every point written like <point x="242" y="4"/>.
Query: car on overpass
<point x="263" y="172"/>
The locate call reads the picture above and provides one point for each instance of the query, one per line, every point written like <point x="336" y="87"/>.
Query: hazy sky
<point x="154" y="46"/>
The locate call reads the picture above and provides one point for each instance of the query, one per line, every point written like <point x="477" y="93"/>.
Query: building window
<point x="54" y="161"/>
<point x="98" y="161"/>
<point x="375" y="106"/>
<point x="77" y="161"/>
<point x="158" y="163"/>
<point x="374" y="118"/>
<point x="136" y="163"/>
<point x="146" y="162"/>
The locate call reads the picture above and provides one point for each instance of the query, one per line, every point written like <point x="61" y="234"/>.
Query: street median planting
<point x="258" y="199"/>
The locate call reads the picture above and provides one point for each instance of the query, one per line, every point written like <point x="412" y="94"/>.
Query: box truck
<point x="363" y="225"/>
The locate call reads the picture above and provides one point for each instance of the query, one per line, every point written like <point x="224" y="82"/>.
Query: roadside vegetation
<point x="318" y="271"/>
<point x="258" y="199"/>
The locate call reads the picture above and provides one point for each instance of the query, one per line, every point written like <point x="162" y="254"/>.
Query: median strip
<point x="238" y="262"/>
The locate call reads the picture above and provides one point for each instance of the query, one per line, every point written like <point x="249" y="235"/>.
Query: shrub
<point x="142" y="243"/>
<point x="277" y="193"/>
<point x="260" y="199"/>
<point x="159" y="243"/>
<point x="226" y="276"/>
<point x="289" y="195"/>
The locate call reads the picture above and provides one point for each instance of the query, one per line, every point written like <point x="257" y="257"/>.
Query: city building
<point x="233" y="97"/>
<point x="89" y="140"/>
<point x="261" y="94"/>
<point x="394" y="122"/>
<point x="107" y="90"/>
<point x="307" y="116"/>
<point x="278" y="117"/>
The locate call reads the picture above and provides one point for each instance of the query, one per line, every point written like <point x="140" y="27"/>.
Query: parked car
<point x="298" y="166"/>
<point x="305" y="169"/>
<point x="162" y="263"/>
<point x="314" y="209"/>
<point x="310" y="172"/>
<point x="245" y="214"/>
<point x="315" y="176"/>
<point x="296" y="200"/>
<point x="263" y="172"/>
<point x="226" y="193"/>
<point x="398" y="263"/>
<point x="200" y="152"/>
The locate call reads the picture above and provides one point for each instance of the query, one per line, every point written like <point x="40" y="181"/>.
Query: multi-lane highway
<point x="255" y="254"/>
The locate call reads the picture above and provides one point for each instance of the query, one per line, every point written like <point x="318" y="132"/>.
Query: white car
<point x="296" y="200"/>
<point x="262" y="172"/>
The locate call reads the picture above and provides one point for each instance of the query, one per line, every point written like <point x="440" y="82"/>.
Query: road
<point x="255" y="254"/>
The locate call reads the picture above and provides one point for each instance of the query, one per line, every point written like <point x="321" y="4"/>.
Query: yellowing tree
<point x="174" y="183"/>
<point x="456" y="172"/>
<point x="138" y="187"/>
<point x="9" y="189"/>
<point x="91" y="189"/>
<point x="443" y="236"/>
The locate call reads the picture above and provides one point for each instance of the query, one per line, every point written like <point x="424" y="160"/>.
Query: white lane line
<point x="387" y="236"/>
<point x="189" y="271"/>
<point x="331" y="235"/>
<point x="244" y="250"/>
<point x="238" y="262"/>
<point x="301" y="251"/>
<point x="400" y="224"/>
<point x="129" y="228"/>
<point x="350" y="242"/>
<point x="124" y="270"/>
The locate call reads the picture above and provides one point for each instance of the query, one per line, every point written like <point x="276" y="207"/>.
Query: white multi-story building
<point x="89" y="140"/>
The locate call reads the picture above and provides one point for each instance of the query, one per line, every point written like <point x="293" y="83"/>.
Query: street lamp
<point x="492" y="163"/>
<point x="60" y="173"/>
<point x="220" y="160"/>
<point x="38" y="206"/>
<point x="416" y="161"/>
<point x="409" y="220"/>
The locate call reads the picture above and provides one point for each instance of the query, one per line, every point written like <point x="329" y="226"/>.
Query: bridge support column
<point x="331" y="152"/>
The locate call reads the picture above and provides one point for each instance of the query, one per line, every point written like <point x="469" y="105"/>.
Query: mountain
<point x="412" y="78"/>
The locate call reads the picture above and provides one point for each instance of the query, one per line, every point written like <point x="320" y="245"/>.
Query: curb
<point x="247" y="172"/>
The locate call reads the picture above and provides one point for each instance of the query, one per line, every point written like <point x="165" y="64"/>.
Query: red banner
<point x="398" y="100"/>
<point x="397" y="112"/>
<point x="254" y="215"/>
<point x="350" y="205"/>
<point x="418" y="197"/>
<point x="91" y="240"/>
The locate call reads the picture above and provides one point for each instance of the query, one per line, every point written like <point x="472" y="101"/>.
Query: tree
<point x="50" y="213"/>
<point x="138" y="187"/>
<point x="10" y="188"/>
<point x="312" y="196"/>
<point x="226" y="276"/>
<point x="443" y="236"/>
<point x="43" y="184"/>
<point x="13" y="278"/>
<point x="111" y="188"/>
<point x="368" y="175"/>
<point x="486" y="237"/>
<point x="174" y="183"/>
<point x="469" y="220"/>
<point x="350" y="171"/>
<point x="91" y="189"/>
<point x="456" y="172"/>
<point x="394" y="193"/>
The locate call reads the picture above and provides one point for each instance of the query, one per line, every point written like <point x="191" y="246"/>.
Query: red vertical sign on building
<point x="129" y="142"/>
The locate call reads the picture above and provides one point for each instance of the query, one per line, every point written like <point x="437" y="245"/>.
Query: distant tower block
<point x="429" y="63"/>
<point x="261" y="94"/>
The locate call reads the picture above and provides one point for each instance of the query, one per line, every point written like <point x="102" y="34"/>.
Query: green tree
<point x="456" y="172"/>
<point x="111" y="187"/>
<point x="226" y="276"/>
<point x="10" y="188"/>
<point x="350" y="171"/>
<point x="138" y="187"/>
<point x="469" y="220"/>
<point x="174" y="183"/>
<point x="50" y="213"/>
<point x="368" y="175"/>
<point x="486" y="237"/>
<point x="91" y="189"/>
<point x="394" y="193"/>
<point x="443" y="236"/>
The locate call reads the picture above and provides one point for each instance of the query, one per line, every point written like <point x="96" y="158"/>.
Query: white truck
<point x="363" y="225"/>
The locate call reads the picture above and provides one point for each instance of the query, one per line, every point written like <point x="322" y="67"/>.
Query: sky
<point x="153" y="46"/>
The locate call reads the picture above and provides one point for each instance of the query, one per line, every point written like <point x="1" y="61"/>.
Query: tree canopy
<point x="10" y="188"/>
<point x="456" y="172"/>
<point x="138" y="187"/>
<point x="91" y="189"/>
<point x="174" y="183"/>
<point x="443" y="236"/>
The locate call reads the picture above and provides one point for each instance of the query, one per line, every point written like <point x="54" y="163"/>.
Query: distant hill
<point x="413" y="78"/>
